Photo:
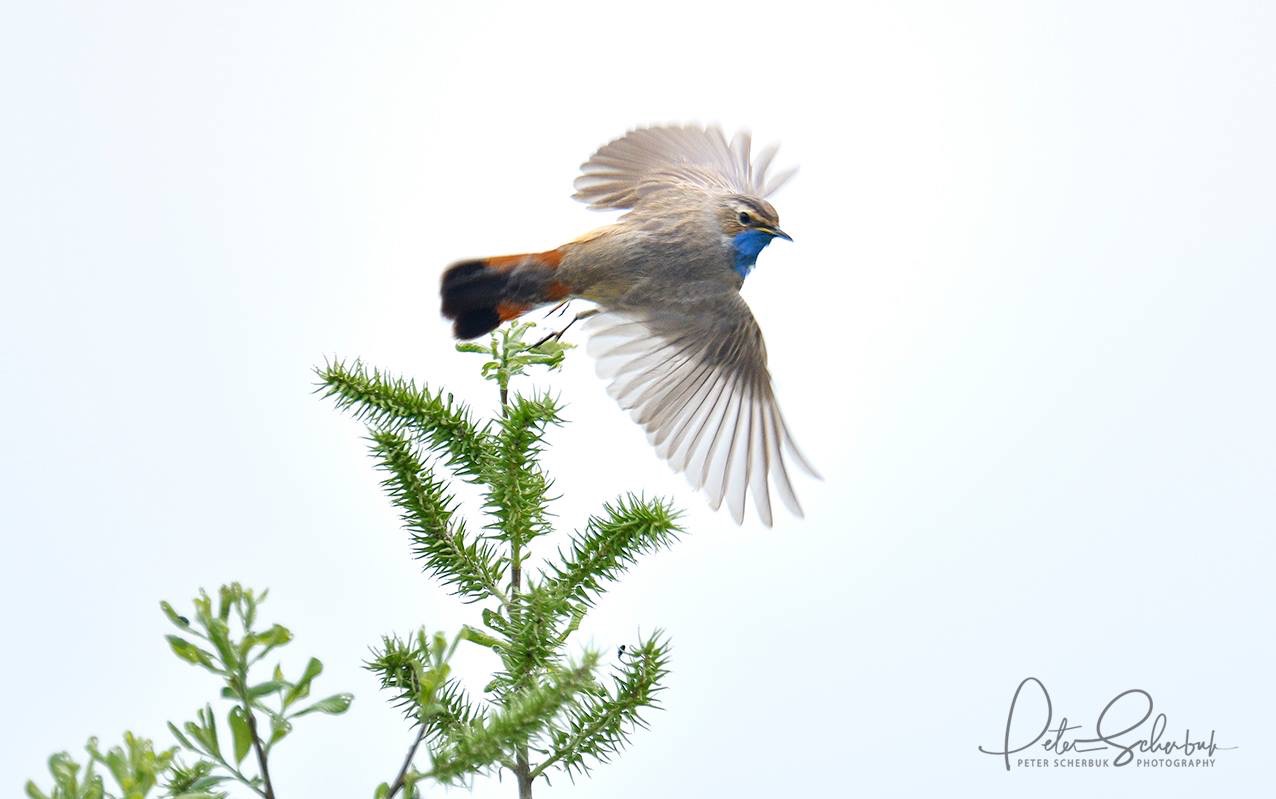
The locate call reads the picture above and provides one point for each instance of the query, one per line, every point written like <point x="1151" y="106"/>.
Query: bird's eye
<point x="745" y="219"/>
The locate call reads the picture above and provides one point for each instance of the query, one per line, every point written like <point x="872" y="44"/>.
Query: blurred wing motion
<point x="643" y="161"/>
<point x="695" y="377"/>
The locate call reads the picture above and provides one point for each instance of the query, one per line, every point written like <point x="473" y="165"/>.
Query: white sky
<point x="1025" y="331"/>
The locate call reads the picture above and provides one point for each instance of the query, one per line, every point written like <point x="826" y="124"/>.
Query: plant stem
<point x="236" y="773"/>
<point x="269" y="791"/>
<point x="397" y="785"/>
<point x="524" y="773"/>
<point x="522" y="769"/>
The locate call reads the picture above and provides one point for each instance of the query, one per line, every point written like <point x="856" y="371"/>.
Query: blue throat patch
<point x="748" y="243"/>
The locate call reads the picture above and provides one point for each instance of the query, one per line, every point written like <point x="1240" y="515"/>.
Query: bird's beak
<point x="779" y="234"/>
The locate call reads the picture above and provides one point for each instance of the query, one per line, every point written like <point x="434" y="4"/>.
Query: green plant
<point x="223" y="639"/>
<point x="543" y="709"/>
<point x="135" y="767"/>
<point x="234" y="646"/>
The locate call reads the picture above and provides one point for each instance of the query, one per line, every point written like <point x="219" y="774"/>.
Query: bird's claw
<point x="558" y="335"/>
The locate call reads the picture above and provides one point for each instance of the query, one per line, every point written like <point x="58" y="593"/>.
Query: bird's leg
<point x="559" y="308"/>
<point x="559" y="334"/>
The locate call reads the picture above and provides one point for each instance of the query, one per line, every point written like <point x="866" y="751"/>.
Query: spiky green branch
<point x="495" y="740"/>
<point x="471" y="567"/>
<point x="384" y="402"/>
<point x="632" y="527"/>
<point x="600" y="725"/>
<point x="537" y="702"/>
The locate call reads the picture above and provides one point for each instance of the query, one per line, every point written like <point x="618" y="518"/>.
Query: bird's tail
<point x="480" y="294"/>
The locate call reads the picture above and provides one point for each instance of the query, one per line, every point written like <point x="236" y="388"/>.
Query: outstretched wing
<point x="622" y="172"/>
<point x="695" y="377"/>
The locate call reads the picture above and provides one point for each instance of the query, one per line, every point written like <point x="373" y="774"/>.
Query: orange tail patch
<point x="480" y="294"/>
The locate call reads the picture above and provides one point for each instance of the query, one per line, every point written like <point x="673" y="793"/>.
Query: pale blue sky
<point x="1025" y="331"/>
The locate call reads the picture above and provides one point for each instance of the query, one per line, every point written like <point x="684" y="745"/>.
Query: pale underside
<point x="692" y="369"/>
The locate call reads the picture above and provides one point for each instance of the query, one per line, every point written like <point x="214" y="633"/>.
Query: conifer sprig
<point x="470" y="567"/>
<point x="389" y="403"/>
<point x="533" y="641"/>
<point x="417" y="671"/>
<point x="526" y="713"/>
<point x="610" y="543"/>
<point x="538" y="704"/>
<point x="599" y="726"/>
<point x="517" y="495"/>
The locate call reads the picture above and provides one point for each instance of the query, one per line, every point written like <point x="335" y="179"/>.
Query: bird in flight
<point x="671" y="333"/>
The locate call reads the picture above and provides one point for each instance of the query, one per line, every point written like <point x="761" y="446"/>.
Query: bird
<point x="669" y="329"/>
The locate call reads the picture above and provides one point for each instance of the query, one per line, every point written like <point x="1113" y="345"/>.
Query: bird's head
<point x="750" y="223"/>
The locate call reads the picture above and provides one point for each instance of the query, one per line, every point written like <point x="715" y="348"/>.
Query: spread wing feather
<point x="695" y="377"/>
<point x="646" y="160"/>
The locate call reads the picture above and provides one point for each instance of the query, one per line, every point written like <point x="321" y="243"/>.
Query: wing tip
<point x="763" y="442"/>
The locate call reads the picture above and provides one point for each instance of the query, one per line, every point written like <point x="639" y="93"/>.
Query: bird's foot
<point x="559" y="334"/>
<point x="559" y="309"/>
